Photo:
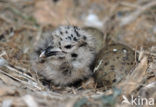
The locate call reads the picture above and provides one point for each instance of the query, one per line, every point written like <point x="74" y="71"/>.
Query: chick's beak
<point x="42" y="55"/>
<point x="50" y="52"/>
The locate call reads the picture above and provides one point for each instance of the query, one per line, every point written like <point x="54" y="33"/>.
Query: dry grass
<point x="131" y="22"/>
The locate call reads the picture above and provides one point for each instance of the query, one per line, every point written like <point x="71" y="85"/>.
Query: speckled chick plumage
<point x="65" y="55"/>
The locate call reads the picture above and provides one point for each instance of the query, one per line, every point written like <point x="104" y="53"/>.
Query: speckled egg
<point x="112" y="64"/>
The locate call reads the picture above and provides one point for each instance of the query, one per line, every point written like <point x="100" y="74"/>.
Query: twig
<point x="23" y="82"/>
<point x="147" y="53"/>
<point x="19" y="72"/>
<point x="128" y="19"/>
<point x="5" y="19"/>
<point x="130" y="5"/>
<point x="38" y="35"/>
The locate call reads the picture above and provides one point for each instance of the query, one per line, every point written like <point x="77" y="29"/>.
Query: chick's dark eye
<point x="74" y="55"/>
<point x="68" y="46"/>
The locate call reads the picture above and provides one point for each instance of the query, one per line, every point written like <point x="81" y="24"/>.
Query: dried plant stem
<point x="128" y="19"/>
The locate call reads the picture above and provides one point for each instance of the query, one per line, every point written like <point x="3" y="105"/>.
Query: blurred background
<point x="128" y="21"/>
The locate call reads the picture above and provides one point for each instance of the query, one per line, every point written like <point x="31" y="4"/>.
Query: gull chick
<point x="65" y="55"/>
